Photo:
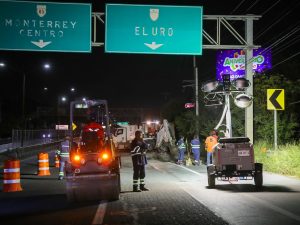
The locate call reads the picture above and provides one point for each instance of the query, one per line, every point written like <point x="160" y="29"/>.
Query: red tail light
<point x="104" y="158"/>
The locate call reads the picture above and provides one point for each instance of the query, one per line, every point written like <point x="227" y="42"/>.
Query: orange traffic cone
<point x="11" y="178"/>
<point x="56" y="162"/>
<point x="43" y="160"/>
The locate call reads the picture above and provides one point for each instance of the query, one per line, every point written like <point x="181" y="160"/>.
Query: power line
<point x="251" y="6"/>
<point x="238" y="6"/>
<point x="286" y="45"/>
<point x="270" y="7"/>
<point x="292" y="56"/>
<point x="276" y="22"/>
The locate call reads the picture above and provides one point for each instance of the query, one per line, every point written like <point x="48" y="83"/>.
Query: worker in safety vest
<point x="181" y="150"/>
<point x="195" y="144"/>
<point x="139" y="160"/>
<point x="210" y="143"/>
<point x="64" y="156"/>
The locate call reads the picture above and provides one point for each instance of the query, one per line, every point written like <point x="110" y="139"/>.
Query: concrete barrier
<point x="22" y="153"/>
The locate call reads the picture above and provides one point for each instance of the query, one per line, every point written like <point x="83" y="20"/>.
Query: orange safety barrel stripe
<point x="11" y="176"/>
<point x="56" y="162"/>
<point x="43" y="161"/>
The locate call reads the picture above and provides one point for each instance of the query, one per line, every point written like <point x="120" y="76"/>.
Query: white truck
<point x="124" y="135"/>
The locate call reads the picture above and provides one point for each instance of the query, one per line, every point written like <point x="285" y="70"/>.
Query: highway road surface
<point x="178" y="195"/>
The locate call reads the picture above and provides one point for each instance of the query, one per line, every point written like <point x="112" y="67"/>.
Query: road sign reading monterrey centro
<point x="45" y="26"/>
<point x="153" y="29"/>
<point x="275" y="99"/>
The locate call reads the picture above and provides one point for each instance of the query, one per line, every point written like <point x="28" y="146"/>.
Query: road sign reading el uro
<point x="45" y="26"/>
<point x="153" y="29"/>
<point x="275" y="99"/>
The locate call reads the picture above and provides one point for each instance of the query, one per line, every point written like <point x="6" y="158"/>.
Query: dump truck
<point x="234" y="158"/>
<point x="93" y="172"/>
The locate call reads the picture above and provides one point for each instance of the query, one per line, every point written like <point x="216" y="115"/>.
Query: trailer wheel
<point x="258" y="176"/>
<point x="211" y="176"/>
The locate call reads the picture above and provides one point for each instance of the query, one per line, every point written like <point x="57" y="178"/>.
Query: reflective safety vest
<point x="181" y="145"/>
<point x="211" y="142"/>
<point x="64" y="149"/>
<point x="195" y="143"/>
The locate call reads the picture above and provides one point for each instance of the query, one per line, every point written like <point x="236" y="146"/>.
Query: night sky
<point x="137" y="80"/>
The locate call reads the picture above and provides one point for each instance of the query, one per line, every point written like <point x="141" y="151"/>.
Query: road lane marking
<point x="99" y="216"/>
<point x="273" y="207"/>
<point x="186" y="169"/>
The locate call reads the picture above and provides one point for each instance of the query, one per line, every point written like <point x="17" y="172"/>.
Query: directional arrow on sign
<point x="153" y="45"/>
<point x="273" y="99"/>
<point x="41" y="43"/>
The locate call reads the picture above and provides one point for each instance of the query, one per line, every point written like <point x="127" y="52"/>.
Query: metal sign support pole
<point x="196" y="94"/>
<point x="275" y="129"/>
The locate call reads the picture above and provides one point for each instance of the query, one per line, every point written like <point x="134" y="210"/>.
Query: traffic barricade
<point x="11" y="176"/>
<point x="43" y="162"/>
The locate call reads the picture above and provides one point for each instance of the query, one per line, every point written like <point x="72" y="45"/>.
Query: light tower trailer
<point x="234" y="157"/>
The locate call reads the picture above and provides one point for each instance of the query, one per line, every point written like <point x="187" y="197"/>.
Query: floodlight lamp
<point x="241" y="83"/>
<point x="210" y="86"/>
<point x="243" y="101"/>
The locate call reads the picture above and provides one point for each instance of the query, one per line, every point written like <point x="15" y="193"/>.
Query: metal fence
<point x="24" y="138"/>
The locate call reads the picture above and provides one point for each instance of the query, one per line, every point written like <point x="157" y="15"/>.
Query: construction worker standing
<point x="181" y="150"/>
<point x="210" y="142"/>
<point x="63" y="156"/>
<point x="195" y="144"/>
<point x="139" y="160"/>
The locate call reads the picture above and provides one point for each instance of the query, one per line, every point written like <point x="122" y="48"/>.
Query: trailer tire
<point x="211" y="180"/>
<point x="211" y="176"/>
<point x="258" y="176"/>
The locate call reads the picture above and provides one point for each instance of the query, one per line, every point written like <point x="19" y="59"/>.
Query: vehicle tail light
<point x="104" y="158"/>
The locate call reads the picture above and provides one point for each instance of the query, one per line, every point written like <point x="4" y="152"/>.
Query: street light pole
<point x="196" y="93"/>
<point x="23" y="98"/>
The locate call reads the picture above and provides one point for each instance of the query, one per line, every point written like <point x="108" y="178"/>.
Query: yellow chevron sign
<point x="275" y="99"/>
<point x="74" y="126"/>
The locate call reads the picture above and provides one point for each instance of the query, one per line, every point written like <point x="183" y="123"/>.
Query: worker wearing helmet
<point x="139" y="160"/>
<point x="63" y="155"/>
<point x="181" y="149"/>
<point x="210" y="143"/>
<point x="195" y="144"/>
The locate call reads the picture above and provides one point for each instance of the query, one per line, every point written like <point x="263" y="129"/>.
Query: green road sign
<point x="153" y="29"/>
<point x="45" y="26"/>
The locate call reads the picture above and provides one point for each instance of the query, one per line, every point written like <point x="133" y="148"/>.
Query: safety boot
<point x="60" y="177"/>
<point x="136" y="188"/>
<point x="143" y="188"/>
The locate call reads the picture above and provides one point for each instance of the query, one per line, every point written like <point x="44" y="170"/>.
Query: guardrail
<point x="25" y="152"/>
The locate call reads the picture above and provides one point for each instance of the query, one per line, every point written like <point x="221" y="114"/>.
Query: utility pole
<point x="249" y="76"/>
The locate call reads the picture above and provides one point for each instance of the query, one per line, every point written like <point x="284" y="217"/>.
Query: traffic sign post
<point x="275" y="101"/>
<point x="154" y="29"/>
<point x="45" y="26"/>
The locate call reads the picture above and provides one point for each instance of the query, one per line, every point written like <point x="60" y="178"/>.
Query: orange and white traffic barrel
<point x="11" y="176"/>
<point x="43" y="161"/>
<point x="56" y="162"/>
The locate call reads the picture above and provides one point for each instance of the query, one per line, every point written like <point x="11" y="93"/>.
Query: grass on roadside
<point x="285" y="160"/>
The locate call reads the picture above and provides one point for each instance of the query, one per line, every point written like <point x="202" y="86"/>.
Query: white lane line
<point x="262" y="202"/>
<point x="186" y="168"/>
<point x="99" y="216"/>
<point x="273" y="207"/>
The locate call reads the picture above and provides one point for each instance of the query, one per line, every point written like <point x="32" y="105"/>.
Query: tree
<point x="264" y="119"/>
